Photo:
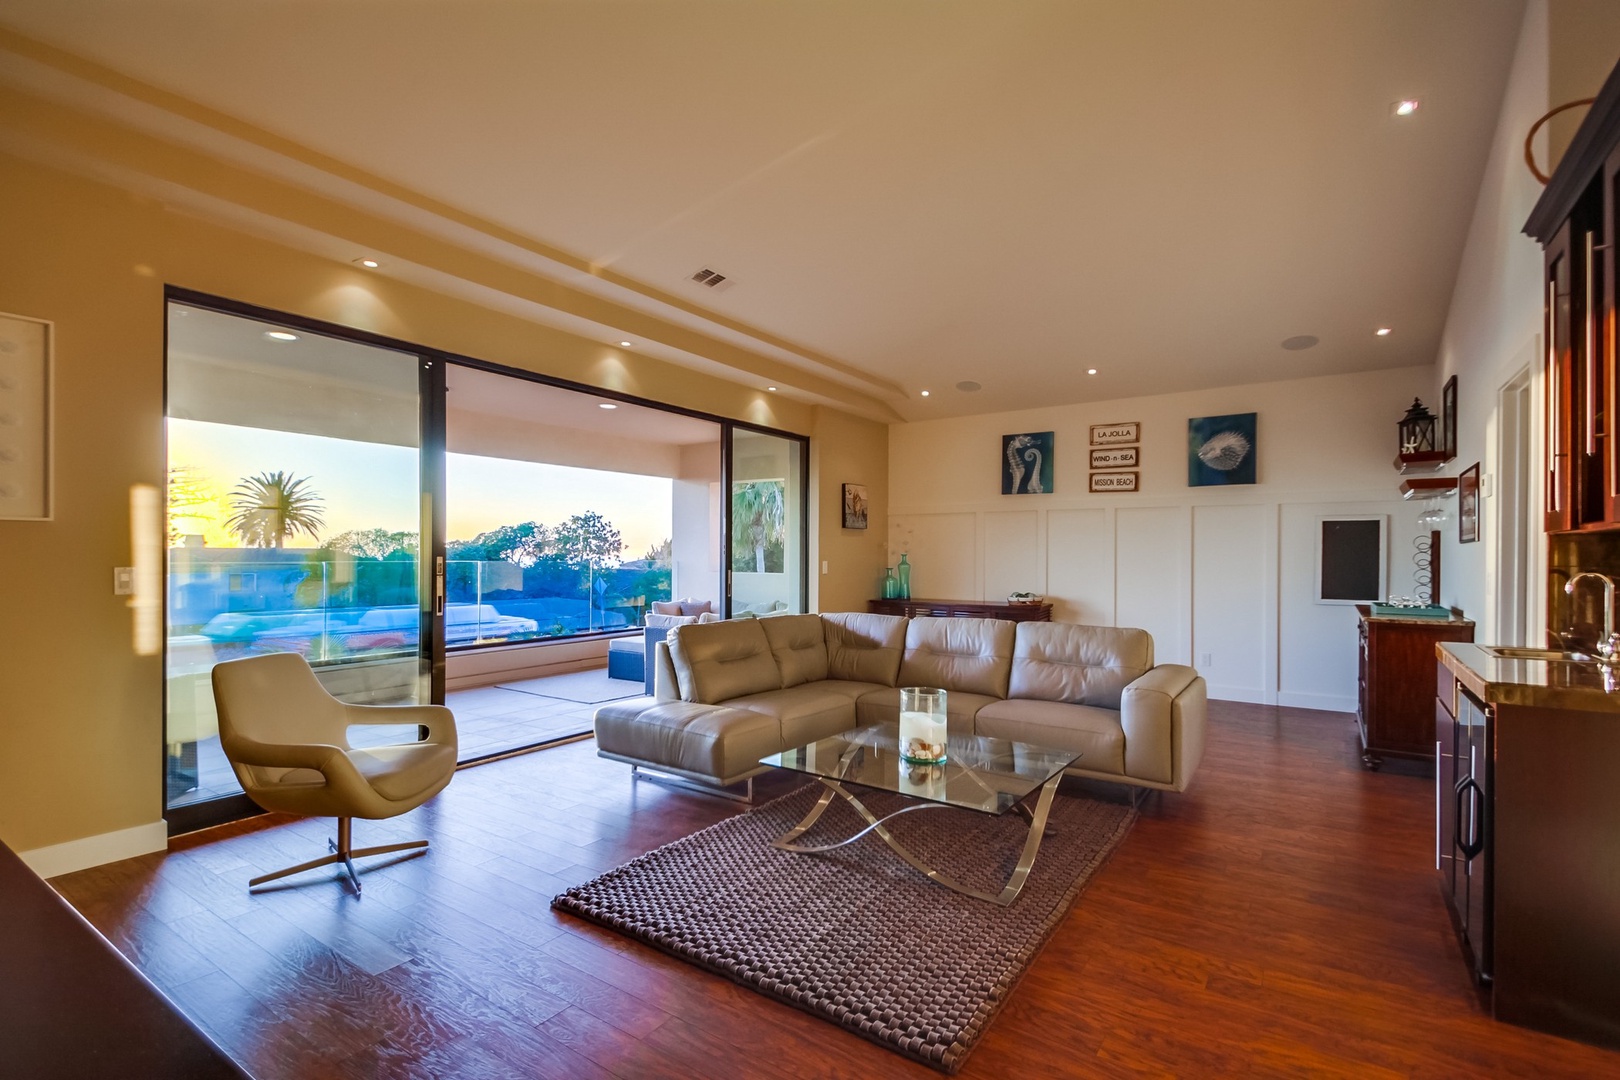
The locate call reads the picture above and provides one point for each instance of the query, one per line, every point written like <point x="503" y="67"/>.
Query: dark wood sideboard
<point x="962" y="609"/>
<point x="1395" y="701"/>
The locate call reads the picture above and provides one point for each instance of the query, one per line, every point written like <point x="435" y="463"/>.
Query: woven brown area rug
<point x="856" y="936"/>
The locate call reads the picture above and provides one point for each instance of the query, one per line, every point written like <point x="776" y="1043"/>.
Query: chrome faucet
<point x="1608" y="646"/>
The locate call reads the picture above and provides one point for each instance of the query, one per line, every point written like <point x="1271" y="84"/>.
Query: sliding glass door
<point x="295" y="522"/>
<point x="767" y="528"/>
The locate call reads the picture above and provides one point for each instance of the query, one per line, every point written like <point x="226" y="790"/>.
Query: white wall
<point x="1227" y="573"/>
<point x="1493" y="331"/>
<point x="695" y="525"/>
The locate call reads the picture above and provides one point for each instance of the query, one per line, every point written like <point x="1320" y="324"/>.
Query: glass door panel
<point x="767" y="557"/>
<point x="295" y="519"/>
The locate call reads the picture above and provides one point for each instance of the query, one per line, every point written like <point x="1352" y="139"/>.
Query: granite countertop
<point x="1546" y="684"/>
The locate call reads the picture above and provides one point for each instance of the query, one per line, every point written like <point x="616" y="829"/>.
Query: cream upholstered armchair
<point x="287" y="740"/>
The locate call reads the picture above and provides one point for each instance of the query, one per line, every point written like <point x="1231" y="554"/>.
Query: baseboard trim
<point x="1325" y="702"/>
<point x="59" y="859"/>
<point x="1245" y="694"/>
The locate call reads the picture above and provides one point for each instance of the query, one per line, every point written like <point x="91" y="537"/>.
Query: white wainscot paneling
<point x="1012" y="554"/>
<point x="1152" y="552"/>
<point x="942" y="550"/>
<point x="1316" y="647"/>
<point x="1080" y="566"/>
<point x="1231" y="549"/>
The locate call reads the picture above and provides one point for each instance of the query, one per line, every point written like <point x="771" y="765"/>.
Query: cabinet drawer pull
<point x="1475" y="843"/>
<point x="1438" y="762"/>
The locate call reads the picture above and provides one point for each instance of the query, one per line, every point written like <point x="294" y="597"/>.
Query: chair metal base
<point x="641" y="772"/>
<point x="342" y="852"/>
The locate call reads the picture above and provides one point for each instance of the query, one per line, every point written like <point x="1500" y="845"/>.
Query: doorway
<point x="1516" y="505"/>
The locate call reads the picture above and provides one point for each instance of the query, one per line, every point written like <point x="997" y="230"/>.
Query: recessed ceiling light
<point x="1384" y="331"/>
<point x="369" y="264"/>
<point x="1091" y="371"/>
<point x="1300" y="341"/>
<point x="1405" y="107"/>
<point x="280" y="335"/>
<point x="925" y="393"/>
<point x="606" y="405"/>
<point x="624" y="344"/>
<point x="772" y="389"/>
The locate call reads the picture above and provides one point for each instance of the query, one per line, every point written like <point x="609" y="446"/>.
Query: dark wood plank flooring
<point x="1279" y="919"/>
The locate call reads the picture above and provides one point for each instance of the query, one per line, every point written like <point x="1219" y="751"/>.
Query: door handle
<point x="1590" y="347"/>
<point x="438" y="585"/>
<point x="1475" y="843"/>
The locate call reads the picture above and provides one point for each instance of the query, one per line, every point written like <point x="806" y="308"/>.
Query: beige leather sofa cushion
<point x="799" y="645"/>
<point x="704" y="740"/>
<point x="1162" y="715"/>
<point x="1095" y="733"/>
<point x="971" y="655"/>
<point x="883" y="707"/>
<point x="716" y="661"/>
<point x="864" y="648"/>
<point x="806" y="712"/>
<point x="1082" y="665"/>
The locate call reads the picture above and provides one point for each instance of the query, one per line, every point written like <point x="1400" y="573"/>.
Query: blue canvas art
<point x="1026" y="463"/>
<point x="1221" y="450"/>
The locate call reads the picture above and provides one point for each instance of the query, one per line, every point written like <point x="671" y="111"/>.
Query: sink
<point x="1513" y="652"/>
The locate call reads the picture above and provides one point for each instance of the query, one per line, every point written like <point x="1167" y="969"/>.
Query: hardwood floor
<point x="1279" y="919"/>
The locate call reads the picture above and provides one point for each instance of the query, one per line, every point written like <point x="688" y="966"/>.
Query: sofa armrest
<point x="1163" y="714"/>
<point x="666" y="686"/>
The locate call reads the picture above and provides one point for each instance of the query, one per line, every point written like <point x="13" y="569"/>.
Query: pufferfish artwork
<point x="1221" y="450"/>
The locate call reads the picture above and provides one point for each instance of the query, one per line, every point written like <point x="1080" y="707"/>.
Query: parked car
<point x="396" y="627"/>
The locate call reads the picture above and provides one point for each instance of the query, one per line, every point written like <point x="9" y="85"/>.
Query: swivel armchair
<point x="287" y="741"/>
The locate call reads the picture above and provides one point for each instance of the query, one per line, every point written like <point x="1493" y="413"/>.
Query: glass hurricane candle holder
<point x="922" y="725"/>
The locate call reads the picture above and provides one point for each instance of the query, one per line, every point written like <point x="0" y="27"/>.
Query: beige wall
<point x="80" y="713"/>
<point x="1578" y="42"/>
<point x="846" y="450"/>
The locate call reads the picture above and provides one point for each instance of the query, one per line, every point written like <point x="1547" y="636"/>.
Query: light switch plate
<point x="123" y="581"/>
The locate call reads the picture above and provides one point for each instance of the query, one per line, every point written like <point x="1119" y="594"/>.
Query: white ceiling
<point x="924" y="191"/>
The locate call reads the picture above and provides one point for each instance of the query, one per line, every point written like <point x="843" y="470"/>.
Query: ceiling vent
<point x="711" y="279"/>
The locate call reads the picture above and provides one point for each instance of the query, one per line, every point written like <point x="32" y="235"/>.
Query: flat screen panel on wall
<point x="1350" y="560"/>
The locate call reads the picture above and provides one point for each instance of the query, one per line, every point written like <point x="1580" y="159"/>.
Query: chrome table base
<point x="1015" y="883"/>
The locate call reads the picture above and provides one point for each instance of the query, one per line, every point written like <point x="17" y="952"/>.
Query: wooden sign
<point x="1115" y="434"/>
<point x="1122" y="458"/>
<point x="1113" y="481"/>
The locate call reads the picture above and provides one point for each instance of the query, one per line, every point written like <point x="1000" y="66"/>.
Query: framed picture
<point x="1468" y="504"/>
<point x="855" y="506"/>
<point x="1123" y="457"/>
<point x="1221" y="449"/>
<point x="1448" y="418"/>
<point x="1351" y="562"/>
<point x="25" y="413"/>
<point x="1026" y="463"/>
<point x="1113" y="481"/>
<point x="1113" y="434"/>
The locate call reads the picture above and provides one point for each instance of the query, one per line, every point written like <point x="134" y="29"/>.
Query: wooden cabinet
<point x="1575" y="222"/>
<point x="1395" y="702"/>
<point x="1526" y="815"/>
<point x="962" y="609"/>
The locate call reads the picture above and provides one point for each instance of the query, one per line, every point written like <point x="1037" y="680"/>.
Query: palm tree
<point x="759" y="512"/>
<point x="272" y="508"/>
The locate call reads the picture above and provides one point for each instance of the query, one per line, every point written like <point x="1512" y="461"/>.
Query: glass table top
<point x="988" y="775"/>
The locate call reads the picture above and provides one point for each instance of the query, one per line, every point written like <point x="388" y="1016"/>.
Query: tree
<point x="373" y="543"/>
<point x="759" y="517"/>
<point x="272" y="508"/>
<point x="661" y="555"/>
<point x="187" y="491"/>
<point x="589" y="541"/>
<point x="523" y="544"/>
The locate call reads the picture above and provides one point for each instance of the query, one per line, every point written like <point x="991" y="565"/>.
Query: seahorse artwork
<point x="1033" y="455"/>
<point x="1015" y="467"/>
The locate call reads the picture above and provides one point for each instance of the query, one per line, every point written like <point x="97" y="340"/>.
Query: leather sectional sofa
<point x="729" y="693"/>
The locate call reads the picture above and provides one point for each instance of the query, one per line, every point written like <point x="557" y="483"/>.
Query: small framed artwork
<point x="855" y="506"/>
<point x="1350" y="559"/>
<point x="1448" y="418"/>
<point x="25" y="414"/>
<point x="1221" y="449"/>
<point x="1114" y="434"/>
<point x="1468" y="504"/>
<point x="1026" y="463"/>
<point x="1121" y="457"/>
<point x="1113" y="481"/>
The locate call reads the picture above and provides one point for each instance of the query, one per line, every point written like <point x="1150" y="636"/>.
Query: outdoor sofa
<point x="731" y="692"/>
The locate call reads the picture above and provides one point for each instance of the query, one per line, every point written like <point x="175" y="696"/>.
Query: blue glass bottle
<point x="904" y="570"/>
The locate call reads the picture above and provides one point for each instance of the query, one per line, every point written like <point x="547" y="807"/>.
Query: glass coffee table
<point x="983" y="775"/>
